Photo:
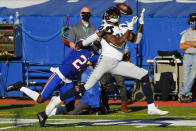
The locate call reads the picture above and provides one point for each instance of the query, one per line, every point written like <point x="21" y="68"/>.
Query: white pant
<point x="110" y="65"/>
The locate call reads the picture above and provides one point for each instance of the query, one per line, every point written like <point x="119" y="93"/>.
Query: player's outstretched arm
<point x="118" y="42"/>
<point x="137" y="38"/>
<point x="95" y="36"/>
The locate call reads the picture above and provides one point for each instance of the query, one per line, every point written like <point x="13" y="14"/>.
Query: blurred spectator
<point x="82" y="29"/>
<point x="188" y="44"/>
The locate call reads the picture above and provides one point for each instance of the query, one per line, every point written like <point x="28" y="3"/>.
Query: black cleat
<point x="42" y="118"/>
<point x="14" y="87"/>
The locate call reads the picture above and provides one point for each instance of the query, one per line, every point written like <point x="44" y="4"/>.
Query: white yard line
<point x="100" y="122"/>
<point x="9" y="127"/>
<point x="4" y="128"/>
<point x="178" y="116"/>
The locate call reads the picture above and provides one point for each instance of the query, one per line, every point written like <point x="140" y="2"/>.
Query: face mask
<point x="114" y="19"/>
<point x="86" y="16"/>
<point x="193" y="25"/>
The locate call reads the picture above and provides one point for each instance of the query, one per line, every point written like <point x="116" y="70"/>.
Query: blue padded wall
<point x="11" y="72"/>
<point x="42" y="44"/>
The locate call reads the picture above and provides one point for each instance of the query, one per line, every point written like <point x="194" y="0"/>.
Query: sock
<point x="124" y="106"/>
<point x="147" y="90"/>
<point x="32" y="94"/>
<point x="53" y="112"/>
<point x="59" y="110"/>
<point x="53" y="103"/>
<point x="151" y="106"/>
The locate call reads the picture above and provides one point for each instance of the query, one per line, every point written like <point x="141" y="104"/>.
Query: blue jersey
<point x="75" y="61"/>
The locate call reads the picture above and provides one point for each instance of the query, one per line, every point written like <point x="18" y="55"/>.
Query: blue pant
<point x="55" y="83"/>
<point x="189" y="68"/>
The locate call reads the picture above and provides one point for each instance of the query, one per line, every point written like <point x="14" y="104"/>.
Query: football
<point x="124" y="8"/>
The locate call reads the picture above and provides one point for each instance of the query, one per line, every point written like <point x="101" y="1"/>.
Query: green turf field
<point x="23" y="118"/>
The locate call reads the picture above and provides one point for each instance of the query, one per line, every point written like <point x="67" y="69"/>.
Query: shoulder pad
<point x="103" y="26"/>
<point x="184" y="31"/>
<point x="123" y="25"/>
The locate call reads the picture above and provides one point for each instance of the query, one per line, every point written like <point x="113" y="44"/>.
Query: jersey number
<point x="81" y="62"/>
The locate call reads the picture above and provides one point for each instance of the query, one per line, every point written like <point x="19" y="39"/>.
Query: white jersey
<point x="110" y="50"/>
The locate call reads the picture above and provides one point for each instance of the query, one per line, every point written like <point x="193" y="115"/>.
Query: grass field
<point x="22" y="117"/>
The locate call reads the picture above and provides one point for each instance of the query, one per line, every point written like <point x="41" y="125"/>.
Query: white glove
<point x="141" y="20"/>
<point x="131" y="24"/>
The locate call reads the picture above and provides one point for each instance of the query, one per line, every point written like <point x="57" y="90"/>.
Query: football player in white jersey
<point x="113" y="39"/>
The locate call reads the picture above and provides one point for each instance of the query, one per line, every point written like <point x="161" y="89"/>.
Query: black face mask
<point x="86" y="16"/>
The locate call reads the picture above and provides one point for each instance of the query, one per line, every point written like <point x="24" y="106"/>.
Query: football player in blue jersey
<point x="78" y="59"/>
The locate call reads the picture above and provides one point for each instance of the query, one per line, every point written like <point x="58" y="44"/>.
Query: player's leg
<point x="46" y="92"/>
<point x="51" y="85"/>
<point x="51" y="110"/>
<point x="104" y="65"/>
<point x="65" y="108"/>
<point x="130" y="70"/>
<point x="19" y="86"/>
<point x="51" y="107"/>
<point x="57" y="99"/>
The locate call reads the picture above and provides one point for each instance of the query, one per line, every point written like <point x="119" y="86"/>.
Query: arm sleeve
<point x="90" y="39"/>
<point x="139" y="38"/>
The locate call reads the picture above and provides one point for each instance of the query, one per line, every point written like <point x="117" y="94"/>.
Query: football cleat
<point x="156" y="111"/>
<point x="14" y="87"/>
<point x="42" y="117"/>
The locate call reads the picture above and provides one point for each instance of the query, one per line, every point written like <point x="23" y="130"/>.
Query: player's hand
<point x="80" y="88"/>
<point x="131" y="24"/>
<point x="141" y="20"/>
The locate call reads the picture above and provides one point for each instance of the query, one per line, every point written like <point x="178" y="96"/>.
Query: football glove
<point x="131" y="24"/>
<point x="141" y="20"/>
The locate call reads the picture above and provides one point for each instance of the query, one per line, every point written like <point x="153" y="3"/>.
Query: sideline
<point x="138" y="103"/>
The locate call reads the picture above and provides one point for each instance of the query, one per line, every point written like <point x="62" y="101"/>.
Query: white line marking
<point x="9" y="127"/>
<point x="178" y="116"/>
<point x="139" y="126"/>
<point x="91" y="122"/>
